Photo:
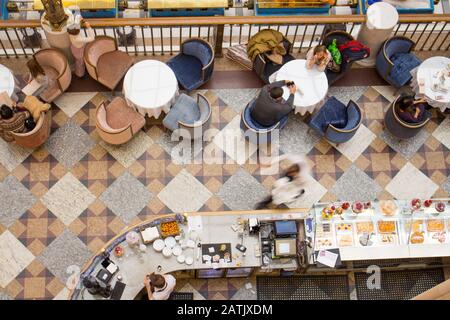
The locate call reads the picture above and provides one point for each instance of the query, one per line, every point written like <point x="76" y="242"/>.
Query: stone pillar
<point x="381" y="18"/>
<point x="59" y="39"/>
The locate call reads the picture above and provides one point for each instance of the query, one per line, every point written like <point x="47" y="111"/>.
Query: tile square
<point x="236" y="98"/>
<point x="15" y="200"/>
<point x="411" y="183"/>
<point x="155" y="166"/>
<point x="14" y="257"/>
<point x="39" y="172"/>
<point x="446" y="185"/>
<point x="297" y="137"/>
<point x="72" y="102"/>
<point x="232" y="142"/>
<point x="37" y="283"/>
<point x="37" y="228"/>
<point x="56" y="258"/>
<point x="11" y="155"/>
<point x="69" y="144"/>
<point x="314" y="191"/>
<point x="96" y="225"/>
<point x="68" y="208"/>
<point x="97" y="170"/>
<point x="345" y="94"/>
<point x="327" y="163"/>
<point x="354" y="185"/>
<point x="442" y="133"/>
<point x="127" y="153"/>
<point x="126" y="197"/>
<point x="232" y="195"/>
<point x="407" y="147"/>
<point x="184" y="193"/>
<point x="362" y="139"/>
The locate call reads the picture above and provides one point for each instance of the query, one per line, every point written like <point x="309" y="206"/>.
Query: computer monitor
<point x="285" y="228"/>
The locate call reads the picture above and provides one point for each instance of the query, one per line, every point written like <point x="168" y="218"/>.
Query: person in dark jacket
<point x="270" y="107"/>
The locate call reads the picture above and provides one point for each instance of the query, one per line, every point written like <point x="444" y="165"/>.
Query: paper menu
<point x="327" y="258"/>
<point x="195" y="223"/>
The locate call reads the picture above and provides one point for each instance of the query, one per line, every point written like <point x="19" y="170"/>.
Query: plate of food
<point x="345" y="240"/>
<point x="169" y="228"/>
<point x="357" y="207"/>
<point x="388" y="207"/>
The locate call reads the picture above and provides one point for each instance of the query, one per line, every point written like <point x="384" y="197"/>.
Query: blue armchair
<point x="402" y="129"/>
<point x="192" y="117"/>
<point x="395" y="61"/>
<point x="194" y="65"/>
<point x="253" y="131"/>
<point x="336" y="122"/>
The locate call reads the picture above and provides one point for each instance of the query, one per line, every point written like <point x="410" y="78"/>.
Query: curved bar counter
<point x="134" y="265"/>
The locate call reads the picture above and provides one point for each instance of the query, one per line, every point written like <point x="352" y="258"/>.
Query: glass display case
<point x="239" y="272"/>
<point x="381" y="224"/>
<point x="210" y="273"/>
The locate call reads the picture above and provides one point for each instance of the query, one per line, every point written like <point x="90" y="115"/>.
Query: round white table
<point x="313" y="85"/>
<point x="7" y="82"/>
<point x="425" y="75"/>
<point x="151" y="87"/>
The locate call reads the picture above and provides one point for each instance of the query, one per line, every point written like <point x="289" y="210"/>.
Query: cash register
<point x="285" y="238"/>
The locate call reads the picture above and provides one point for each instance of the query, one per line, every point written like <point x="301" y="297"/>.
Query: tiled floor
<point x="64" y="200"/>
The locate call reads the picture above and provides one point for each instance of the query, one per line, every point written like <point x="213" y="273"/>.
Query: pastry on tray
<point x="344" y="227"/>
<point x="417" y="237"/>
<point x="386" y="226"/>
<point x="364" y="227"/>
<point x="345" y="240"/>
<point x="434" y="225"/>
<point x="388" y="207"/>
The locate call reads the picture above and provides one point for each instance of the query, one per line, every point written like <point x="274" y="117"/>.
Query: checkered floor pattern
<point x="64" y="200"/>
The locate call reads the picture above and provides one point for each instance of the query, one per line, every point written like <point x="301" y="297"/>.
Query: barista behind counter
<point x="159" y="287"/>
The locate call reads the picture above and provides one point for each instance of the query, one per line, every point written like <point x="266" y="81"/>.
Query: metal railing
<point x="159" y="36"/>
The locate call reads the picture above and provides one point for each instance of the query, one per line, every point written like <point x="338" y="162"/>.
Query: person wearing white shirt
<point x="78" y="42"/>
<point x="159" y="287"/>
<point x="290" y="186"/>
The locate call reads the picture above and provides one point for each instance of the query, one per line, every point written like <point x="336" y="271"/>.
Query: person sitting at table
<point x="319" y="56"/>
<point x="411" y="110"/>
<point x="159" y="287"/>
<point x="270" y="107"/>
<point x="12" y="119"/>
<point x="37" y="73"/>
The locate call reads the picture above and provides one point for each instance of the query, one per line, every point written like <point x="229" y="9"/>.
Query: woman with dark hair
<point x="410" y="110"/>
<point x="37" y="73"/>
<point x="319" y="56"/>
<point x="78" y="42"/>
<point x="159" y="287"/>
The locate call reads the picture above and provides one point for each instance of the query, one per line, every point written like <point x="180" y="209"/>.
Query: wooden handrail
<point x="238" y="20"/>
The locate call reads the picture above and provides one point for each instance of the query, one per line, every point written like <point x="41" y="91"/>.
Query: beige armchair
<point x="105" y="63"/>
<point x="57" y="68"/>
<point x="117" y="122"/>
<point x="38" y="135"/>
